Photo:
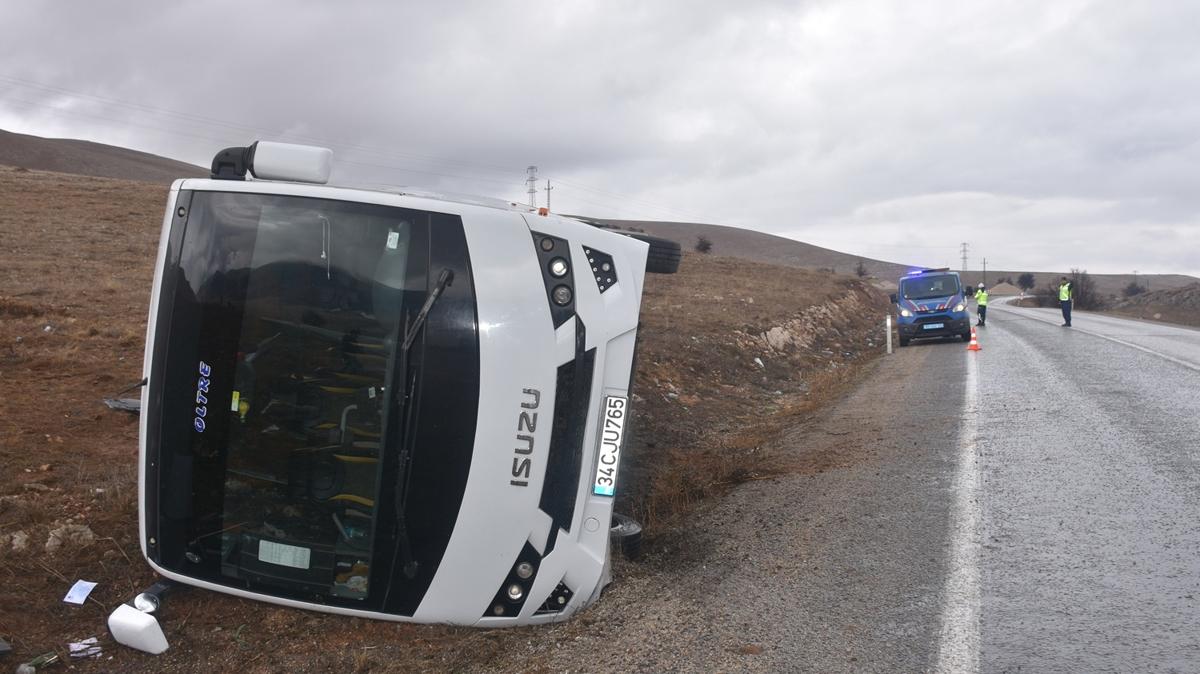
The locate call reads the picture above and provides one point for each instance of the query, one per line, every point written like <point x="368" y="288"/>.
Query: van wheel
<point x="966" y="336"/>
<point x="664" y="254"/>
<point x="903" y="341"/>
<point x="626" y="534"/>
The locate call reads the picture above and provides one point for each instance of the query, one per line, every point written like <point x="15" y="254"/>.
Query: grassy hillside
<point x="1106" y="284"/>
<point x="95" y="159"/>
<point x="82" y="157"/>
<point x="760" y="247"/>
<point x="1174" y="305"/>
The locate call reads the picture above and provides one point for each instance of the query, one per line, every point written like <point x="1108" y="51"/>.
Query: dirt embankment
<point x="1176" y="305"/>
<point x="730" y="352"/>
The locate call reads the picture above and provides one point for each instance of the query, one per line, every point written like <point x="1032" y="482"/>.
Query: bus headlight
<point x="562" y="295"/>
<point x="959" y="307"/>
<point x="905" y="313"/>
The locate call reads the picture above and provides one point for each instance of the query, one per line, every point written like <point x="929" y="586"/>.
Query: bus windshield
<point x="282" y="373"/>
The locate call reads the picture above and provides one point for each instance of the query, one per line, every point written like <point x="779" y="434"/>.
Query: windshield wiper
<point x="403" y="549"/>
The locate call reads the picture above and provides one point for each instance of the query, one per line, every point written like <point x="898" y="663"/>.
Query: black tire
<point x="903" y="341"/>
<point x="626" y="535"/>
<point x="966" y="336"/>
<point x="664" y="254"/>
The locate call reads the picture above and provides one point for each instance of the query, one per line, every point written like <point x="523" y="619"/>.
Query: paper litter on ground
<point x="88" y="648"/>
<point x="79" y="592"/>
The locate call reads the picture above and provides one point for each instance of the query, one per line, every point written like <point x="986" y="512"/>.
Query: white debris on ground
<point x="19" y="541"/>
<point x="69" y="537"/>
<point x="88" y="648"/>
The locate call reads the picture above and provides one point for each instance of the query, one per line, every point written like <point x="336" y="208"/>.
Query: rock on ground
<point x="69" y="537"/>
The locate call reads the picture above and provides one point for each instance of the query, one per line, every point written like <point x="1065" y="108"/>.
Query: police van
<point x="379" y="403"/>
<point x="931" y="303"/>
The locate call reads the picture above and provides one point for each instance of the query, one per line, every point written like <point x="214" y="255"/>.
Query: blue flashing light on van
<point x="931" y="303"/>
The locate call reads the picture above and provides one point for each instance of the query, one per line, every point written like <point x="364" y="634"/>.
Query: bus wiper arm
<point x="444" y="280"/>
<point x="403" y="545"/>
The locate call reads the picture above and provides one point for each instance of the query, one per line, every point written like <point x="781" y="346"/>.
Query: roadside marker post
<point x="887" y="329"/>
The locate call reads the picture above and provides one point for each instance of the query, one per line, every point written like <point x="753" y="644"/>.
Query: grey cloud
<point x="895" y="129"/>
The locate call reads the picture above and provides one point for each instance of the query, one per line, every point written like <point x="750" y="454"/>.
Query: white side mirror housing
<point x="135" y="629"/>
<point x="296" y="163"/>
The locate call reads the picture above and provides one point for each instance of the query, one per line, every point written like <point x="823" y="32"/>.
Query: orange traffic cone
<point x="974" y="344"/>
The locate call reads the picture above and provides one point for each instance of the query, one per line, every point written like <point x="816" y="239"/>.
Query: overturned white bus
<point x="380" y="404"/>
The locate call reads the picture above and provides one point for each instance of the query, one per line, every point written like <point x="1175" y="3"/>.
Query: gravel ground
<point x="835" y="566"/>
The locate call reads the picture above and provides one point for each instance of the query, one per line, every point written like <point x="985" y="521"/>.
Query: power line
<point x="891" y="245"/>
<point x="510" y="183"/>
<point x="124" y="123"/>
<point x="386" y="153"/>
<point x="252" y="130"/>
<point x="670" y="210"/>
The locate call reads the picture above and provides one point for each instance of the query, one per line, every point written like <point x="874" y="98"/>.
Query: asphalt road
<point x="1090" y="494"/>
<point x="1031" y="507"/>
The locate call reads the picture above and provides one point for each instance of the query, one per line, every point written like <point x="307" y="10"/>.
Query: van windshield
<point x="281" y="373"/>
<point x="929" y="287"/>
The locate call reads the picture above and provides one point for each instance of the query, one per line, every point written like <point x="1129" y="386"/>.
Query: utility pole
<point x="964" y="256"/>
<point x="985" y="271"/>
<point x="548" y="188"/>
<point x="531" y="185"/>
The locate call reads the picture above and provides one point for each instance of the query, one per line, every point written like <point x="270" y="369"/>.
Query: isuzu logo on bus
<point x="526" y="425"/>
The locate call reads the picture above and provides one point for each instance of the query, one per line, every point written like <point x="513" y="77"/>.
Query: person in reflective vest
<point x="981" y="301"/>
<point x="1064" y="300"/>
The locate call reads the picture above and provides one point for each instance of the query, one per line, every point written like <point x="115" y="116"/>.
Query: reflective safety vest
<point x="1064" y="292"/>
<point x="981" y="297"/>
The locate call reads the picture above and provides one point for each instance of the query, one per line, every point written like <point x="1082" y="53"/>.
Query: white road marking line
<point x="958" y="642"/>
<point x="1152" y="352"/>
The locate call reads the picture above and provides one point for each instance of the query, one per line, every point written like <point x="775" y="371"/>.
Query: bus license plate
<point x="612" y="430"/>
<point x="934" y="326"/>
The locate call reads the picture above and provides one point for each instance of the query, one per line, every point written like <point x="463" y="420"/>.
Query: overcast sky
<point x="1047" y="135"/>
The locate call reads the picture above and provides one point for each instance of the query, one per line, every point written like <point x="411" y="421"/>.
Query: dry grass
<point x="1164" y="313"/>
<point x="705" y="411"/>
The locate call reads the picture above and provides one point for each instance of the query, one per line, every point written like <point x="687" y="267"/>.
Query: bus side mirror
<point x="893" y="298"/>
<point x="136" y="624"/>
<point x="136" y="629"/>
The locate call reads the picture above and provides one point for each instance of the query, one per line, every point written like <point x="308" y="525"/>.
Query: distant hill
<point x="762" y="247"/>
<point x="759" y="246"/>
<point x="1106" y="284"/>
<point x="83" y="157"/>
